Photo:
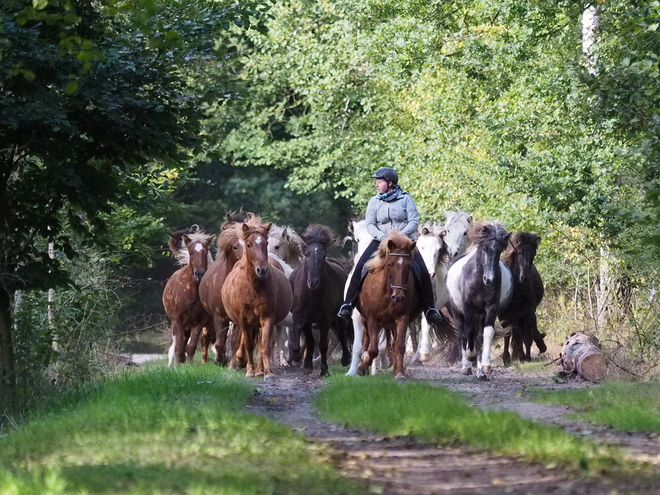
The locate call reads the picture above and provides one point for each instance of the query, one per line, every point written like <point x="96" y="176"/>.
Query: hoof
<point x="400" y="377"/>
<point x="466" y="371"/>
<point x="424" y="358"/>
<point x="249" y="374"/>
<point x="483" y="377"/>
<point x="269" y="377"/>
<point x="486" y="369"/>
<point x="308" y="371"/>
<point x="324" y="373"/>
<point x="295" y="364"/>
<point x="346" y="362"/>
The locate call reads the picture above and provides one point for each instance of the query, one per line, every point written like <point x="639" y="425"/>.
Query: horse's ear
<point x="442" y="233"/>
<point x="211" y="239"/>
<point x="390" y="245"/>
<point x="245" y="228"/>
<point x="537" y="241"/>
<point x="470" y="219"/>
<point x="425" y="231"/>
<point x="186" y="239"/>
<point x="267" y="226"/>
<point x="413" y="246"/>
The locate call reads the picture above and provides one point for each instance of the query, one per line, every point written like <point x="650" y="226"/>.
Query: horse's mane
<point x="226" y="240"/>
<point x="183" y="256"/>
<point x="484" y="231"/>
<point x="517" y="240"/>
<point x="319" y="234"/>
<point x="379" y="258"/>
<point x="254" y="223"/>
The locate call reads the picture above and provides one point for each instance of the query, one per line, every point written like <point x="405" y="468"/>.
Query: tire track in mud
<point x="400" y="465"/>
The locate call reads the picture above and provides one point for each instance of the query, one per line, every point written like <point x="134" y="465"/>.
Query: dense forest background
<point x="123" y="121"/>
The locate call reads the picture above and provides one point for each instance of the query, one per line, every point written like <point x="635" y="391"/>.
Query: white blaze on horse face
<point x="199" y="247"/>
<point x="258" y="240"/>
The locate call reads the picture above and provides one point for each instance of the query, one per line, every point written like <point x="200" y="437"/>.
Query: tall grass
<point x="438" y="415"/>
<point x="162" y="431"/>
<point x="625" y="406"/>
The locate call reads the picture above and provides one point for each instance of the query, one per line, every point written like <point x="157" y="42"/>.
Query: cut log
<point x="581" y="356"/>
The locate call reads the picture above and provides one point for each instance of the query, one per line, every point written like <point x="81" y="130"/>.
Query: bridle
<point x="389" y="279"/>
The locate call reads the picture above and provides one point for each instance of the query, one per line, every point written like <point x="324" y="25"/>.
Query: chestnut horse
<point x="230" y="250"/>
<point x="520" y="314"/>
<point x="318" y="286"/>
<point x="389" y="299"/>
<point x="256" y="295"/>
<point x="181" y="295"/>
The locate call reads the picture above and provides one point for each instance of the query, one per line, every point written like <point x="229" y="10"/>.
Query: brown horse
<point x="318" y="288"/>
<point x="256" y="295"/>
<point x="520" y="313"/>
<point x="230" y="250"/>
<point x="389" y="299"/>
<point x="181" y="295"/>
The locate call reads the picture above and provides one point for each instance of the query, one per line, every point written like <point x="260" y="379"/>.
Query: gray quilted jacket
<point x="397" y="212"/>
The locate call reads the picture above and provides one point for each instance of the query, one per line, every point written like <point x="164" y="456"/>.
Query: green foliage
<point x="625" y="406"/>
<point x="438" y="415"/>
<point x="163" y="431"/>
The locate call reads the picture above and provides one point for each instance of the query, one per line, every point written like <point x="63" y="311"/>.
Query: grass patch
<point x="438" y="415"/>
<point x="626" y="406"/>
<point x="165" y="431"/>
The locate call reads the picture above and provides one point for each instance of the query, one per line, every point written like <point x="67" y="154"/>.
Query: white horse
<point x="440" y="247"/>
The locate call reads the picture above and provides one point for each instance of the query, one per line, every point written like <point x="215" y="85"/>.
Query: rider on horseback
<point x="391" y="208"/>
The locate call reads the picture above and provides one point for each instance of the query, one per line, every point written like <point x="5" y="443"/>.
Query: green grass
<point x="441" y="416"/>
<point x="162" y="431"/>
<point x="625" y="406"/>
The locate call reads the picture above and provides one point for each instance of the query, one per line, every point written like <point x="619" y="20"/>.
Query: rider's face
<point x="382" y="186"/>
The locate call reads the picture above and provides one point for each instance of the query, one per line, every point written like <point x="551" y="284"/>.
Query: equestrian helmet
<point x="387" y="173"/>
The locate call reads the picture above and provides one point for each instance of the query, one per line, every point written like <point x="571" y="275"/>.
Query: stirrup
<point x="345" y="312"/>
<point x="433" y="316"/>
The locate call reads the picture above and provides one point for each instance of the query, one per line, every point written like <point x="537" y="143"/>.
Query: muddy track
<point x="395" y="466"/>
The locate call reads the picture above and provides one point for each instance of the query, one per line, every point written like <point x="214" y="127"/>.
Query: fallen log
<point x="580" y="356"/>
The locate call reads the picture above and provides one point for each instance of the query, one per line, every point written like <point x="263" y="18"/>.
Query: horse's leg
<point x="517" y="339"/>
<point x="170" y="352"/>
<point x="488" y="335"/>
<point x="399" y="348"/>
<point x="193" y="341"/>
<point x="358" y="331"/>
<point x="295" y="353"/>
<point x="341" y="329"/>
<point x="179" y="343"/>
<point x="221" y="326"/>
<point x="528" y="334"/>
<point x="324" y="329"/>
<point x="310" y="345"/>
<point x="205" y="341"/>
<point x="424" y="343"/>
<point x="239" y="358"/>
<point x="267" y="327"/>
<point x="247" y="346"/>
<point x="371" y="351"/>
<point x="469" y="353"/>
<point x="538" y="336"/>
<point x="506" y="356"/>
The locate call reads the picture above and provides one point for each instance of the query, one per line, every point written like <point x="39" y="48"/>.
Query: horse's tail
<point x="446" y="330"/>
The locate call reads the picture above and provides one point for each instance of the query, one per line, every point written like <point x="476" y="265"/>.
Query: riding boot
<point x="355" y="284"/>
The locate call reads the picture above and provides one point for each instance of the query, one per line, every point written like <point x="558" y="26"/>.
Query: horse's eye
<point x="235" y="248"/>
<point x="249" y="244"/>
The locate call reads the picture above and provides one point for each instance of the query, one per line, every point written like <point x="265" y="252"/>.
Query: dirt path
<point x="395" y="466"/>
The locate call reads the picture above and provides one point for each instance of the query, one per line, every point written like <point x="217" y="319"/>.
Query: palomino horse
<point x="479" y="286"/>
<point x="181" y="296"/>
<point x="230" y="250"/>
<point x="389" y="299"/>
<point x="256" y="295"/>
<point x="286" y="244"/>
<point x="318" y="286"/>
<point x="527" y="294"/>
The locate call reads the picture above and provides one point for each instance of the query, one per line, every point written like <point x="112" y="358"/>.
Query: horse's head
<point x="286" y="244"/>
<point x="394" y="256"/>
<point x="456" y="228"/>
<point x="520" y="254"/>
<point x="431" y="246"/>
<point x="490" y="240"/>
<point x="255" y="236"/>
<point x="317" y="239"/>
<point x="230" y="246"/>
<point x="197" y="245"/>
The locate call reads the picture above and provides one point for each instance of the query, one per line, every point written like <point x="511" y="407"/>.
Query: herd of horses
<point x="267" y="281"/>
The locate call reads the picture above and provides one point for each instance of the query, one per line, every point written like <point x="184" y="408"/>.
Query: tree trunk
<point x="7" y="364"/>
<point x="581" y="356"/>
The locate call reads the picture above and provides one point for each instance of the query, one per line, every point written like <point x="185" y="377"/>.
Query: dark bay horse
<point x="181" y="295"/>
<point x="230" y="250"/>
<point x="520" y="313"/>
<point x="256" y="295"/>
<point x="318" y="287"/>
<point x="389" y="300"/>
<point x="479" y="285"/>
